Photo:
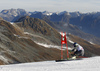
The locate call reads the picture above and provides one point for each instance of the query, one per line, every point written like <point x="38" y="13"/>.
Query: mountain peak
<point x="11" y="14"/>
<point x="35" y="25"/>
<point x="62" y="12"/>
<point x="22" y="18"/>
<point x="27" y="16"/>
<point x="45" y="12"/>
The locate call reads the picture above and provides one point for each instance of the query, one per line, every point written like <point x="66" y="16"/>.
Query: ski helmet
<point x="75" y="44"/>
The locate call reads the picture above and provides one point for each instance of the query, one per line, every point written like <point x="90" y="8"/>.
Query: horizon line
<point x="50" y="11"/>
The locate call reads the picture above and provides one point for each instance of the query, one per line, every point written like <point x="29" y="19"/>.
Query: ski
<point x="69" y="59"/>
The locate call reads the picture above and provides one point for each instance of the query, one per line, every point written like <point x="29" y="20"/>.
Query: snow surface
<point x="91" y="43"/>
<point x="87" y="64"/>
<point x="11" y="23"/>
<point x="52" y="46"/>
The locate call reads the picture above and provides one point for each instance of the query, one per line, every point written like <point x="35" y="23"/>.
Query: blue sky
<point x="52" y="5"/>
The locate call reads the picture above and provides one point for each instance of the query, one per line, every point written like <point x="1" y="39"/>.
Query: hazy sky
<point x="52" y="5"/>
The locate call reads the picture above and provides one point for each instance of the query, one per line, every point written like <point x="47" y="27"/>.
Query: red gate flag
<point x="63" y="38"/>
<point x="64" y="41"/>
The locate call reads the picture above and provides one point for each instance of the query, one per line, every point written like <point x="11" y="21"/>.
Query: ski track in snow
<point x="52" y="46"/>
<point x="87" y="64"/>
<point x="42" y="44"/>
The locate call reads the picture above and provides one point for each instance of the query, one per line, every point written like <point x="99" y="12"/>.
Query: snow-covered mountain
<point x="47" y="13"/>
<point x="87" y="64"/>
<point x="60" y="13"/>
<point x="44" y="13"/>
<point x="87" y="22"/>
<point x="72" y="14"/>
<point x="75" y="14"/>
<point x="10" y="14"/>
<point x="33" y="12"/>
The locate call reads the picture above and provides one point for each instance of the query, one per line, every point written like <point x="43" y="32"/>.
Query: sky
<point x="52" y="5"/>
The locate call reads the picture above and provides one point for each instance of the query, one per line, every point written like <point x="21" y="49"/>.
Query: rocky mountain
<point x="88" y="23"/>
<point x="11" y="14"/>
<point x="69" y="21"/>
<point x="19" y="42"/>
<point x="69" y="28"/>
<point x="18" y="47"/>
<point x="34" y="25"/>
<point x="37" y="15"/>
<point x="56" y="16"/>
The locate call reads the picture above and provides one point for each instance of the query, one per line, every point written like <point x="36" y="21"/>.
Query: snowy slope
<point x="87" y="64"/>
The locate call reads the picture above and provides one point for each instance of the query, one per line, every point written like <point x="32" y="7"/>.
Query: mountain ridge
<point x="40" y="26"/>
<point x="56" y="20"/>
<point x="18" y="47"/>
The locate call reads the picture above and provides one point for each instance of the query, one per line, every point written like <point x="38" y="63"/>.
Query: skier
<point x="78" y="50"/>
